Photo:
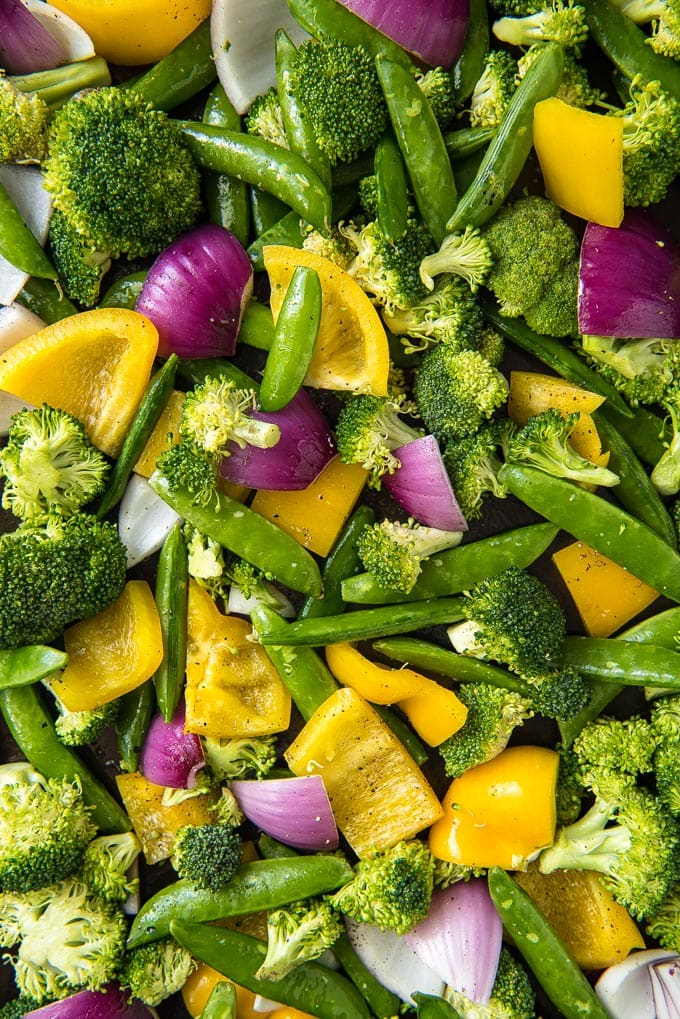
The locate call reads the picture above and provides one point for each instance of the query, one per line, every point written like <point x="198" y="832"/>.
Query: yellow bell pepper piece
<point x="154" y="823"/>
<point x="433" y="711"/>
<point x="113" y="652"/>
<point x="315" y="515"/>
<point x="605" y="594"/>
<point x="581" y="157"/>
<point x="378" y="793"/>
<point x="596" y="929"/>
<point x="501" y="813"/>
<point x="232" y="687"/>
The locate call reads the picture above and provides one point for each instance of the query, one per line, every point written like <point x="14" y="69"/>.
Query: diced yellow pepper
<point x="232" y="687"/>
<point x="605" y="594"/>
<point x="113" y="652"/>
<point x="378" y="793"/>
<point x="315" y="515"/>
<point x="581" y="158"/>
<point x="154" y="823"/>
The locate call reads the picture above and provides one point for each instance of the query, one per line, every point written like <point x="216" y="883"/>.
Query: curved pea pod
<point x="23" y="666"/>
<point x="627" y="46"/>
<point x="623" y="661"/>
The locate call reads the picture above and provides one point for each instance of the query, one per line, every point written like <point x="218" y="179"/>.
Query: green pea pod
<point x="382" y="1003"/>
<point x="281" y="173"/>
<point x="626" y="662"/>
<point x="33" y="732"/>
<point x="600" y="524"/>
<point x="124" y="292"/>
<point x="297" y="328"/>
<point x="506" y="155"/>
<point x="430" y="1007"/>
<point x="222" y="1002"/>
<point x="458" y="569"/>
<point x="421" y="654"/>
<point x="643" y="430"/>
<point x="172" y="586"/>
<point x="56" y="86"/>
<point x="327" y="19"/>
<point x="257" y="325"/>
<point x="264" y="884"/>
<point x="547" y="957"/>
<point x="403" y="732"/>
<point x="469" y="65"/>
<point x="182" y="74"/>
<point x="243" y="531"/>
<point x="345" y="174"/>
<point x="197" y="370"/>
<point x="310" y="987"/>
<point x="226" y="197"/>
<point x="392" y="188"/>
<point x="422" y="146"/>
<point x="342" y="562"/>
<point x="44" y="299"/>
<point x="287" y="230"/>
<point x="301" y="138"/>
<point x="18" y="245"/>
<point x="22" y="666"/>
<point x="132" y="723"/>
<point x="466" y="141"/>
<point x="265" y="210"/>
<point x="627" y="47"/>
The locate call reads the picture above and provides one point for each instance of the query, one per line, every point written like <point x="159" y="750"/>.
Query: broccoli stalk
<point x="457" y="392"/>
<point x="389" y="272"/>
<point x="215" y="413"/>
<point x="369" y="428"/>
<point x="493" y="90"/>
<point x="543" y="442"/>
<point x="298" y="933"/>
<point x="493" y="715"/>
<point x="467" y="255"/>
<point x="234" y="758"/>
<point x="393" y="552"/>
<point x="151" y="973"/>
<point x="448" y="314"/>
<point x="207" y="855"/>
<point x="560" y="22"/>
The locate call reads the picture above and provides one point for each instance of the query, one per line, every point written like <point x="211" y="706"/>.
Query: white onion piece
<point x="422" y="486"/>
<point x="626" y="988"/>
<point x="665" y="980"/>
<point x="26" y="44"/>
<point x="74" y="40"/>
<point x="16" y="323"/>
<point x="24" y="185"/>
<point x="111" y="1003"/>
<point x="144" y="520"/>
<point x="239" y="605"/>
<point x="392" y="962"/>
<point x="242" y="37"/>
<point x="170" y="756"/>
<point x="296" y="811"/>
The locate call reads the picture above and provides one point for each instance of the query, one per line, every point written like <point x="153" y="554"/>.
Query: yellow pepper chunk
<point x="605" y="594"/>
<point x="499" y="814"/>
<point x="532" y="392"/>
<point x="581" y="157"/>
<point x="154" y="823"/>
<point x="378" y="793"/>
<point x="113" y="652"/>
<point x="232" y="687"/>
<point x="167" y="425"/>
<point x="199" y="986"/>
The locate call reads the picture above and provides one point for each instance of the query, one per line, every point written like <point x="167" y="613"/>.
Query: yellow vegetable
<point x="154" y="823"/>
<point x="581" y="157"/>
<point x="378" y="793"/>
<point x="113" y="652"/>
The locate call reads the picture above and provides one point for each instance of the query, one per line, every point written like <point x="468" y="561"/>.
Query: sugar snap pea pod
<point x="287" y="230"/>
<point x="22" y="666"/>
<point x="422" y="146"/>
<point x="430" y="1007"/>
<point x="301" y="138"/>
<point x="44" y="299"/>
<point x="33" y="732"/>
<point x="226" y="197"/>
<point x="264" y="884"/>
<point x="351" y="173"/>
<point x="546" y="955"/>
<point x="327" y="19"/>
<point x="466" y="141"/>
<point x="247" y="534"/>
<point x="342" y="562"/>
<point x="422" y="654"/>
<point x="457" y="569"/>
<point x="222" y="1002"/>
<point x="147" y="414"/>
<point x="626" y="46"/>
<point x="511" y="145"/>
<point x="602" y="525"/>
<point x="469" y="64"/>
<point x="257" y="326"/>
<point x="391" y="188"/>
<point x="182" y="74"/>
<point x="18" y="245"/>
<point x="643" y="430"/>
<point x="172" y="586"/>
<point x="310" y="987"/>
<point x="297" y="328"/>
<point x="382" y="1003"/>
<point x="621" y="661"/>
<point x="281" y="173"/>
<point x="265" y="210"/>
<point x="124" y="292"/>
<point x="132" y="723"/>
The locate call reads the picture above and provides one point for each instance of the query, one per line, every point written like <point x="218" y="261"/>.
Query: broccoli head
<point x="24" y="125"/>
<point x="493" y="715"/>
<point x="389" y="272"/>
<point x="543" y="442"/>
<point x="393" y="552"/>
<point x="332" y="245"/>
<point x="215" y="413"/>
<point x="493" y="89"/>
<point x="439" y="88"/>
<point x="106" y="865"/>
<point x="611" y="749"/>
<point x="121" y="173"/>
<point x="265" y="119"/>
<point x="467" y="255"/>
<point x="559" y="693"/>
<point x="512" y="996"/>
<point x="17" y="1008"/>
<point x="447" y="314"/>
<point x="298" y="933"/>
<point x="651" y="142"/>
<point x="78" y="728"/>
<point x="665" y="721"/>
<point x="151" y="973"/>
<point x="80" y="266"/>
<point x="664" y="923"/>
<point x="207" y="855"/>
<point x="473" y="465"/>
<point x="644" y="371"/>
<point x="369" y="428"/>
<point x="184" y="465"/>
<point x="254" y="756"/>
<point x="560" y="22"/>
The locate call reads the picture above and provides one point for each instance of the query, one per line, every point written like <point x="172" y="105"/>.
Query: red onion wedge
<point x="422" y="486"/>
<point x="170" y="756"/>
<point x="433" y="30"/>
<point x="110" y="1003"/>
<point x="305" y="447"/>
<point x="629" y="280"/>
<point x="25" y="44"/>
<point x="196" y="292"/>
<point x="296" y="811"/>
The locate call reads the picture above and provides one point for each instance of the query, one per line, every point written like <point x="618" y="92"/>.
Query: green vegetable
<point x="240" y="756"/>
<point x="26" y="665"/>
<point x="467" y="67"/>
<point x="393" y="552"/>
<point x="543" y="442"/>
<point x="134" y="716"/>
<point x="493" y="89"/>
<point x="151" y="973"/>
<point x="388" y="271"/>
<point x="172" y="588"/>
<point x="493" y="714"/>
<point x="562" y="23"/>
<point x="78" y="728"/>
<point x="18" y="245"/>
<point x="292" y="348"/>
<point x="391" y="189"/>
<point x="381" y="1002"/>
<point x="226" y="197"/>
<point x="341" y="564"/>
<point x="80" y="266"/>
<point x="181" y="74"/>
<point x="298" y="933"/>
<point x="369" y="428"/>
<point x="627" y="47"/>
<point x="299" y="132"/>
<point x="207" y="855"/>
<point x="106" y="864"/>
<point x="447" y="314"/>
<point x="222" y="1002"/>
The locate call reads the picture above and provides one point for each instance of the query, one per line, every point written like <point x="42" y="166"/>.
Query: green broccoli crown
<point x="87" y="952"/>
<point x="491" y="345"/>
<point x="663" y="925"/>
<point x="447" y="873"/>
<point x="560" y="22"/>
<point x="467" y="255"/>
<point x="207" y="855"/>
<point x="121" y="173"/>
<point x="54" y="574"/>
<point x="389" y="272"/>
<point x="393" y="552"/>
<point x="448" y="314"/>
<point x="333" y="245"/>
<point x="369" y="428"/>
<point x="24" y="125"/>
<point x="17" y="1008"/>
<point x="534" y="273"/>
<point x="253" y="756"/>
<point x="185" y="465"/>
<point x="543" y="442"/>
<point x="45" y="825"/>
<point x="610" y="748"/>
<point x="368" y="195"/>
<point x="265" y="119"/>
<point x="457" y="392"/>
<point x="153" y="972"/>
<point x="665" y="721"/>
<point x="560" y="693"/>
<point x="391" y="890"/>
<point x="570" y="788"/>
<point x="81" y="267"/>
<point x="493" y="714"/>
<point x="339" y="91"/>
<point x="512" y="996"/>
<point x="215" y="413"/>
<point x="78" y="728"/>
<point x="665" y="37"/>
<point x="473" y="465"/>
<point x="575" y="88"/>
<point x="439" y="88"/>
<point x="651" y="142"/>
<point x="494" y="89"/>
<point x="49" y="464"/>
<point x="106" y="864"/>
<point x="644" y="370"/>
<point x="298" y="933"/>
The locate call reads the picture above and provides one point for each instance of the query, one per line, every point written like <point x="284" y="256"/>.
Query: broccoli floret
<point x="254" y="585"/>
<point x="389" y="272"/>
<point x="651" y="142"/>
<point x="448" y="314"/>
<point x="570" y="789"/>
<point x="254" y="756"/>
<point x="151" y="973"/>
<point x="467" y="255"/>
<point x="78" y="728"/>
<point x="447" y="873"/>
<point x="369" y="428"/>
<point x="69" y="940"/>
<point x="457" y="392"/>
<point x="535" y="265"/>
<point x="227" y="810"/>
<point x="106" y="864"/>
<point x="45" y="825"/>
<point x="543" y="442"/>
<point x="491" y="345"/>
<point x="575" y="88"/>
<point x="560" y="22"/>
<point x="665" y="721"/>
<point x="560" y="693"/>
<point x="207" y="855"/>
<point x="185" y="466"/>
<point x="611" y="749"/>
<point x="17" y="1008"/>
<point x="644" y="370"/>
<point x="665" y="474"/>
<point x="49" y="464"/>
<point x="81" y="267"/>
<point x="664" y="923"/>
<point x="215" y="413"/>
<point x="473" y="465"/>
<point x="332" y="245"/>
<point x="493" y="714"/>
<point x="391" y="890"/>
<point x="393" y="552"/>
<point x="493" y="90"/>
<point x="439" y="88"/>
<point x="55" y="574"/>
<point x="206" y="560"/>
<point x="265" y="119"/>
<point x="121" y="173"/>
<point x="665" y="37"/>
<point x="512" y="996"/>
<point x="298" y="933"/>
<point x="339" y="92"/>
<point x="368" y="195"/>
